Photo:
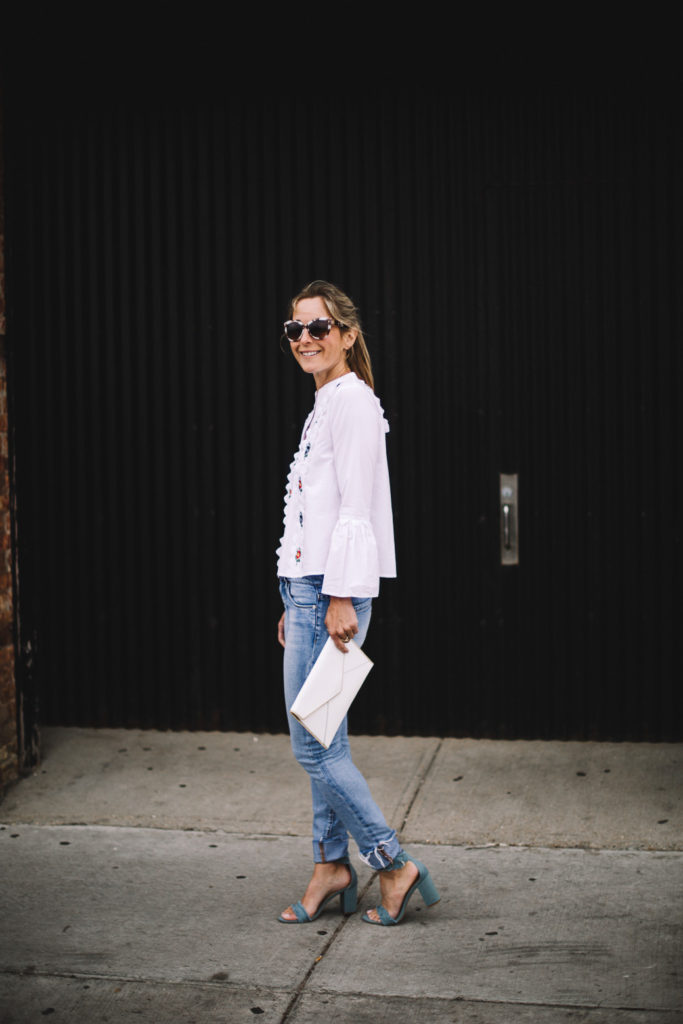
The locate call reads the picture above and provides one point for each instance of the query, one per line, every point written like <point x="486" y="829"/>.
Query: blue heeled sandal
<point x="348" y="899"/>
<point x="423" y="882"/>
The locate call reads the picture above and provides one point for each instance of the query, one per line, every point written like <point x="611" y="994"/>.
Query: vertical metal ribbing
<point x="516" y="262"/>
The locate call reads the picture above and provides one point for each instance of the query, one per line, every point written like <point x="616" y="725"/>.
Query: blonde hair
<point x="341" y="308"/>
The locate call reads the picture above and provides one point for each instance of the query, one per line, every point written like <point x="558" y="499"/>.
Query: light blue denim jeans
<point x="342" y="803"/>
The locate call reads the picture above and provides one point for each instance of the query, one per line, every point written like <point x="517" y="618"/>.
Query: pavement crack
<point x="299" y="991"/>
<point x="420" y="783"/>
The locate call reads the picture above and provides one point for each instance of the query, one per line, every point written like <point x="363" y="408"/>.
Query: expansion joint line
<point x="420" y="783"/>
<point x="297" y="994"/>
<point x="304" y="981"/>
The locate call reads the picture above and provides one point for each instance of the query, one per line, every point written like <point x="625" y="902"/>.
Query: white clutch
<point x="332" y="683"/>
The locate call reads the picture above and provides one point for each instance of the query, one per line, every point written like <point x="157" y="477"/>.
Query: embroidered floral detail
<point x="294" y="490"/>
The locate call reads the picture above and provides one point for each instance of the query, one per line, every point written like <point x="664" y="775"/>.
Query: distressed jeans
<point x="342" y="802"/>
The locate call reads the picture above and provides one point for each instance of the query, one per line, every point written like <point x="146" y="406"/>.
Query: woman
<point x="338" y="541"/>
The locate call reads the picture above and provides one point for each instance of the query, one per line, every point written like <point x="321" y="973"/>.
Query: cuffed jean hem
<point x="388" y="855"/>
<point x="326" y="850"/>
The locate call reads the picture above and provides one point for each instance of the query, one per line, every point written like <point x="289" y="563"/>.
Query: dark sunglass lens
<point x="319" y="329"/>
<point x="294" y="329"/>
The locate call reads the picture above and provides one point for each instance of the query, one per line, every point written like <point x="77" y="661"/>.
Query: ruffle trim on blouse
<point x="352" y="568"/>
<point x="385" y="421"/>
<point x="290" y="539"/>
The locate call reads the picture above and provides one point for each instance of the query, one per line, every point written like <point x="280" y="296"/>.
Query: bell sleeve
<point x="357" y="429"/>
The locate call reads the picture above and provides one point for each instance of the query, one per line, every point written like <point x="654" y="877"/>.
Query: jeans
<point x="342" y="802"/>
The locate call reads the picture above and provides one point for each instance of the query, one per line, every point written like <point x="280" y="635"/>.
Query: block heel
<point x="423" y="882"/>
<point x="348" y="898"/>
<point x="428" y="890"/>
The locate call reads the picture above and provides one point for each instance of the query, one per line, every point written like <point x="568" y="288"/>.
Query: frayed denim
<point x="342" y="803"/>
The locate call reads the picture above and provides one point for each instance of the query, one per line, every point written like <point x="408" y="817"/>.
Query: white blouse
<point x="338" y="520"/>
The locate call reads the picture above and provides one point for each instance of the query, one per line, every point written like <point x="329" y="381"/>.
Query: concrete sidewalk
<point x="142" y="874"/>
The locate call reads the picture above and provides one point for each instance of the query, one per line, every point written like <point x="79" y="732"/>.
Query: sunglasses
<point x="317" y="329"/>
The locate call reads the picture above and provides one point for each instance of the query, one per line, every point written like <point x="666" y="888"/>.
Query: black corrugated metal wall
<point x="518" y="264"/>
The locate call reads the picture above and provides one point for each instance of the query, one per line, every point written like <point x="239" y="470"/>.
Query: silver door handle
<point x="507" y="514"/>
<point x="508" y="519"/>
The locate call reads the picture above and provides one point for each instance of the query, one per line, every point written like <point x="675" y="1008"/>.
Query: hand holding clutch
<point x="332" y="683"/>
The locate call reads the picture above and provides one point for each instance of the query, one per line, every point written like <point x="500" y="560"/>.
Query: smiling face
<point x="325" y="359"/>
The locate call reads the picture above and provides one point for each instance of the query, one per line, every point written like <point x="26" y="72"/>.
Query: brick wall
<point x="8" y="696"/>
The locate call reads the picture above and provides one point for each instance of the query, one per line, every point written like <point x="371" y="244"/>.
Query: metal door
<point x="515" y="261"/>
